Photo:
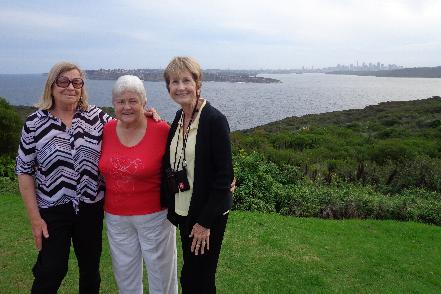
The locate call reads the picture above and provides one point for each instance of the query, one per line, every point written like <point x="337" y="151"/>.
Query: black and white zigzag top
<point x="64" y="161"/>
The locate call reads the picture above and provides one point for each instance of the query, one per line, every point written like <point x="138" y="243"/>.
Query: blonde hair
<point x="47" y="100"/>
<point x="178" y="65"/>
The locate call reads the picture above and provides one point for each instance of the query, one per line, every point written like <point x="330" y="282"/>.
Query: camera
<point x="177" y="180"/>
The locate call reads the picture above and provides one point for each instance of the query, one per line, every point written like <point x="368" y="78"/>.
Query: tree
<point x="10" y="127"/>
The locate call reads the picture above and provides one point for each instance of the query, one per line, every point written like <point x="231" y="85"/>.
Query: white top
<point x="183" y="199"/>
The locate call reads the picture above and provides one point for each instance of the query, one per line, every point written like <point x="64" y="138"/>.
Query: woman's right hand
<point x="39" y="230"/>
<point x="27" y="190"/>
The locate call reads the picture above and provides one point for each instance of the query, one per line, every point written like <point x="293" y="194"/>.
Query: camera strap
<point x="185" y="133"/>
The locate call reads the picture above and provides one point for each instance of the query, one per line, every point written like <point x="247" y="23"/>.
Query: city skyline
<point x="228" y="34"/>
<point x="367" y="66"/>
<point x="357" y="66"/>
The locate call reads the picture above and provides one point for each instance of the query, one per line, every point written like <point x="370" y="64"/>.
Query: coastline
<point x="156" y="75"/>
<point x="248" y="105"/>
<point x="294" y="123"/>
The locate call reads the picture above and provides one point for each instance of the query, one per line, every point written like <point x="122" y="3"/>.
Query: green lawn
<point x="269" y="253"/>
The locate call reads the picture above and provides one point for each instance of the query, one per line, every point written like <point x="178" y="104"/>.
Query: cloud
<point x="20" y="19"/>
<point x="227" y="33"/>
<point x="293" y="22"/>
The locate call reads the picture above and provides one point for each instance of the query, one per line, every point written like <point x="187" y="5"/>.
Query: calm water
<point x="250" y="105"/>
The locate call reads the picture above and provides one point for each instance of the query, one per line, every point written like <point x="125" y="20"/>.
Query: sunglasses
<point x="64" y="82"/>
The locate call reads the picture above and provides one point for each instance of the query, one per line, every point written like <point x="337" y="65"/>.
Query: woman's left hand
<point x="151" y="112"/>
<point x="201" y="239"/>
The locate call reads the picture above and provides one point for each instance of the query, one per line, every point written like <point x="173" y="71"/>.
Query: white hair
<point x="129" y="83"/>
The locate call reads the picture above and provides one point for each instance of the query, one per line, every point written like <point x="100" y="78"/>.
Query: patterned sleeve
<point x="26" y="156"/>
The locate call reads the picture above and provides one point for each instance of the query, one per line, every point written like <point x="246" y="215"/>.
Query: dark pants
<point x="198" y="273"/>
<point x="85" y="231"/>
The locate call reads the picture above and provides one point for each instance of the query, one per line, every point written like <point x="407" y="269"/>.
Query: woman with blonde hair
<point x="198" y="171"/>
<point x="59" y="149"/>
<point x="57" y="168"/>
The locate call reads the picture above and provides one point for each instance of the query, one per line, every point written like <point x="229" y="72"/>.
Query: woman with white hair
<point x="137" y="225"/>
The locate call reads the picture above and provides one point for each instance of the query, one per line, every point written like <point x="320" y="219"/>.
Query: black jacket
<point x="213" y="171"/>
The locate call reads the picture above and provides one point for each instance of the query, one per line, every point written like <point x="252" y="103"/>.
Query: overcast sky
<point x="235" y="34"/>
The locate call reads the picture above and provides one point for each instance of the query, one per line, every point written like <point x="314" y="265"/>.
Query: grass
<point x="269" y="253"/>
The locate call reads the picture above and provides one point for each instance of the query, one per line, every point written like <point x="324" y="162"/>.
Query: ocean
<point x="248" y="105"/>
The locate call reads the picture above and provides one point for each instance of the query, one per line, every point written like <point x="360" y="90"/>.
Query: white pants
<point x="150" y="237"/>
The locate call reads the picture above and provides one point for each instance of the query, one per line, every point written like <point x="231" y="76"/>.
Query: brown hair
<point x="47" y="100"/>
<point x="180" y="64"/>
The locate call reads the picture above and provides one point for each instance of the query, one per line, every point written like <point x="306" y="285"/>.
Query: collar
<point x="195" y="123"/>
<point x="42" y="113"/>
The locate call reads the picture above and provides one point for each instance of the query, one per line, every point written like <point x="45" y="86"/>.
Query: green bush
<point x="8" y="186"/>
<point x="260" y="182"/>
<point x="266" y="187"/>
<point x="394" y="177"/>
<point x="381" y="145"/>
<point x="350" y="201"/>
<point x="390" y="150"/>
<point x="8" y="179"/>
<point x="7" y="166"/>
<point x="10" y="126"/>
<point x="422" y="172"/>
<point x="297" y="141"/>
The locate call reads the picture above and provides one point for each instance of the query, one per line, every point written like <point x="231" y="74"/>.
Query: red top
<point x="133" y="174"/>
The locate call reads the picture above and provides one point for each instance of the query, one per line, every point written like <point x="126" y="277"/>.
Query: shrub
<point x="351" y="201"/>
<point x="10" y="126"/>
<point x="394" y="177"/>
<point x="7" y="166"/>
<point x="8" y="179"/>
<point x="8" y="186"/>
<point x="260" y="182"/>
<point x="264" y="186"/>
<point x="390" y="150"/>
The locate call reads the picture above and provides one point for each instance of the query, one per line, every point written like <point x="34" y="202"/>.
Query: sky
<point x="227" y="34"/>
